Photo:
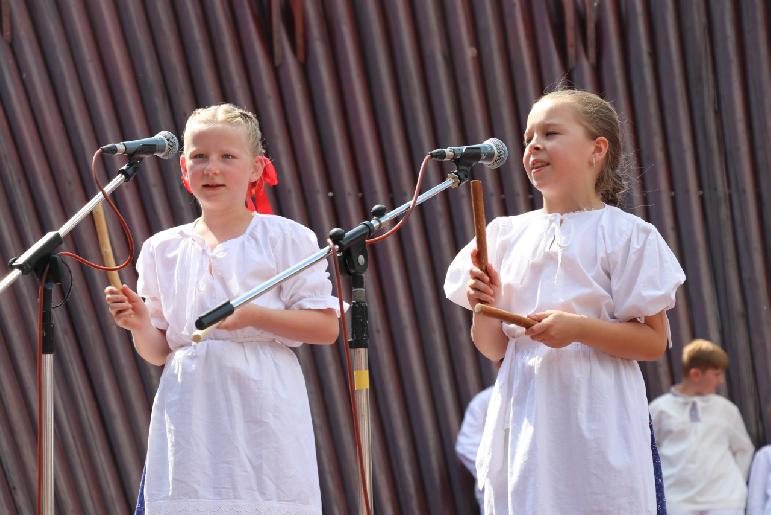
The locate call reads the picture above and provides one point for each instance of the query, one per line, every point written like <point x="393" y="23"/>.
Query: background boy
<point x="704" y="446"/>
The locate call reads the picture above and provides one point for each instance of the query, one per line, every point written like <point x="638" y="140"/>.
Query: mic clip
<point x="462" y="172"/>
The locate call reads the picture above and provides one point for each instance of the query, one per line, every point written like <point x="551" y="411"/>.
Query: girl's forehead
<point x="203" y="133"/>
<point x="551" y="111"/>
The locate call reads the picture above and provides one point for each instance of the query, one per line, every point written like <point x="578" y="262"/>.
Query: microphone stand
<point x="351" y="250"/>
<point x="40" y="254"/>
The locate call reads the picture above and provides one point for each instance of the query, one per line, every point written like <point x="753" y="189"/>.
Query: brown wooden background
<point x="352" y="94"/>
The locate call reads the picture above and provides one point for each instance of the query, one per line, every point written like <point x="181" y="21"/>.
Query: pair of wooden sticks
<point x="480" y="231"/>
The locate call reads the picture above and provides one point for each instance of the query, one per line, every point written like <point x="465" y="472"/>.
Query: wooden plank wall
<point x="351" y="95"/>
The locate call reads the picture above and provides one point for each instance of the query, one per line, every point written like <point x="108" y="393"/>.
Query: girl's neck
<point x="572" y="204"/>
<point x="224" y="225"/>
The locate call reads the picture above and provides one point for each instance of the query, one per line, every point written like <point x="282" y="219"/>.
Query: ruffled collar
<point x="188" y="231"/>
<point x="572" y="214"/>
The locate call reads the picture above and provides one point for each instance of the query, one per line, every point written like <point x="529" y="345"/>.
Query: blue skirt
<point x="140" y="509"/>
<point x="661" y="502"/>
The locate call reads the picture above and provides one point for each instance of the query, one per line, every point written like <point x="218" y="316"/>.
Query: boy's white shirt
<point x="705" y="451"/>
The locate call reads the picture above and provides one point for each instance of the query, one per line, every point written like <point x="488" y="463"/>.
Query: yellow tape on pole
<point x="361" y="379"/>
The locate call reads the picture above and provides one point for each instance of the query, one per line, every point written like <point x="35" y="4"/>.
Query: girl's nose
<point x="211" y="166"/>
<point x="533" y="146"/>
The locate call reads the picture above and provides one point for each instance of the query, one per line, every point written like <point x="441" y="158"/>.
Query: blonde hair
<point x="599" y="119"/>
<point x="228" y="114"/>
<point x="703" y="354"/>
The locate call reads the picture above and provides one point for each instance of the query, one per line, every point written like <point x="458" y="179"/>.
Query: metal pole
<point x="51" y="279"/>
<point x="47" y="384"/>
<point x="361" y="381"/>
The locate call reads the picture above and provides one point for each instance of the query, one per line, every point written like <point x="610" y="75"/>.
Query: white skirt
<point x="231" y="432"/>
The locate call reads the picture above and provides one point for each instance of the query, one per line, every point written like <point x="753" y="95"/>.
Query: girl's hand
<point x="555" y="329"/>
<point x="484" y="285"/>
<point x="127" y="308"/>
<point x="242" y="317"/>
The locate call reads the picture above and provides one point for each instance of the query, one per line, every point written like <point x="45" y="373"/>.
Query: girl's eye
<point x="229" y="156"/>
<point x="551" y="133"/>
<point x="197" y="156"/>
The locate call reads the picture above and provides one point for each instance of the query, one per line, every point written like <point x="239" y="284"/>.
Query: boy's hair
<point x="228" y="114"/>
<point x="703" y="354"/>
<point x="599" y="118"/>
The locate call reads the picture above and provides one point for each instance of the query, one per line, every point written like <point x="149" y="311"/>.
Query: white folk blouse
<point x="230" y="429"/>
<point x="567" y="429"/>
<point x="705" y="451"/>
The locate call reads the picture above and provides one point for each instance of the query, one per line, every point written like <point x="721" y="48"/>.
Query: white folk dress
<point x="567" y="429"/>
<point x="230" y="429"/>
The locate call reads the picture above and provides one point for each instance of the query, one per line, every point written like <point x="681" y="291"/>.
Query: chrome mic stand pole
<point x="52" y="278"/>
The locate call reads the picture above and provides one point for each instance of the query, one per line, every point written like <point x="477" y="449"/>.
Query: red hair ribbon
<point x="256" y="198"/>
<point x="185" y="183"/>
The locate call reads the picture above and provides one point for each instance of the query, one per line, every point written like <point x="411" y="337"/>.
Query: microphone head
<point x="501" y="152"/>
<point x="172" y="144"/>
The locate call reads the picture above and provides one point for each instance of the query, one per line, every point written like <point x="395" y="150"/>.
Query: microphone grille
<point x="172" y="144"/>
<point x="501" y="152"/>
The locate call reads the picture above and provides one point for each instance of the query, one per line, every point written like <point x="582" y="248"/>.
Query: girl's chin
<point x="553" y="192"/>
<point x="545" y="186"/>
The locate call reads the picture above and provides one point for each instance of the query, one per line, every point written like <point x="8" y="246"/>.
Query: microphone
<point x="164" y="145"/>
<point x="492" y="152"/>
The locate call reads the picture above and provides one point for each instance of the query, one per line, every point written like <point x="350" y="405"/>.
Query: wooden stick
<point x="200" y="334"/>
<point x="480" y="224"/>
<point x="480" y="229"/>
<point x="504" y="315"/>
<point x="104" y="245"/>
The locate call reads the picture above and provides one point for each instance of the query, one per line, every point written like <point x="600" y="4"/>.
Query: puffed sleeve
<point x="456" y="280"/>
<point x="311" y="288"/>
<point x="645" y="274"/>
<point x="147" y="285"/>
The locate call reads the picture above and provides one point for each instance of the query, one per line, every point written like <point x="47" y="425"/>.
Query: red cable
<point x="121" y="220"/>
<point x="413" y="203"/>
